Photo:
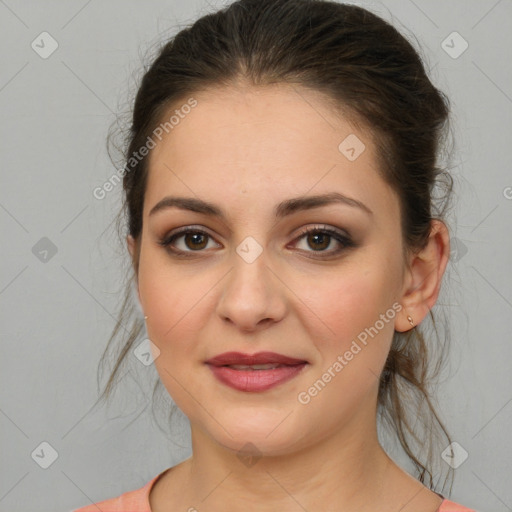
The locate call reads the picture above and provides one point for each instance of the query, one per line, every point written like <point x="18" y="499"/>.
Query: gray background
<point x="58" y="309"/>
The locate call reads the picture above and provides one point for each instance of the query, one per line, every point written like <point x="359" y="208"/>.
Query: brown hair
<point x="371" y="73"/>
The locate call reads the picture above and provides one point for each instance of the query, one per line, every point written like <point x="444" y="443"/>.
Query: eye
<point x="194" y="240"/>
<point x="318" y="237"/>
<point x="321" y="237"/>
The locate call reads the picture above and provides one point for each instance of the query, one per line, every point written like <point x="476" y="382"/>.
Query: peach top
<point x="138" y="501"/>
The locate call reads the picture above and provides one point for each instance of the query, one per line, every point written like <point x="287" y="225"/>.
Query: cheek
<point x="177" y="306"/>
<point x="179" y="301"/>
<point x="351" y="303"/>
<point x="172" y="302"/>
<point x="358" y="310"/>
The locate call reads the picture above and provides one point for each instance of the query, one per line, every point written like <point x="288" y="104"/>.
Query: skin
<point x="246" y="149"/>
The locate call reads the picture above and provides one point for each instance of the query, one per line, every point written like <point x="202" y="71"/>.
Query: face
<point x="254" y="280"/>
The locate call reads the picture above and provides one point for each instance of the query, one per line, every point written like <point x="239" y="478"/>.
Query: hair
<point x="372" y="75"/>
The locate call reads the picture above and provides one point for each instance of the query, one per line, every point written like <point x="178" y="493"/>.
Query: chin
<point x="257" y="437"/>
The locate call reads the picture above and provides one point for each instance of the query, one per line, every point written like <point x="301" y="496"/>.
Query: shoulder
<point x="134" y="501"/>
<point x="451" y="506"/>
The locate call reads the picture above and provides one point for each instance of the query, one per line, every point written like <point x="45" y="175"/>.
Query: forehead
<point x="272" y="142"/>
<point x="251" y="125"/>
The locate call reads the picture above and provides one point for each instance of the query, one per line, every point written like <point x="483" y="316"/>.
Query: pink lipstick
<point x="254" y="372"/>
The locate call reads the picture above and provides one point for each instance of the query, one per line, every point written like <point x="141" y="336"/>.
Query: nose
<point x="253" y="297"/>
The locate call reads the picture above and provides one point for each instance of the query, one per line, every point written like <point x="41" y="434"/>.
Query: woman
<point x="286" y="247"/>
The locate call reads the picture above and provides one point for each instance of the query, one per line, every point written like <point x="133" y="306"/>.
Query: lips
<point x="255" y="372"/>
<point x="260" y="358"/>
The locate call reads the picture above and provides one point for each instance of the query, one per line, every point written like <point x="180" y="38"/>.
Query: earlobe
<point x="133" y="250"/>
<point x="404" y="321"/>
<point x="424" y="278"/>
<point x="130" y="242"/>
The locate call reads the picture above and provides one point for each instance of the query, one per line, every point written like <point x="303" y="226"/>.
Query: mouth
<point x="253" y="360"/>
<point x="256" y="367"/>
<point x="255" y="373"/>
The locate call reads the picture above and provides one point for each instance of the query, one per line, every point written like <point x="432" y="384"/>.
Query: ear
<point x="130" y="242"/>
<point x="423" y="277"/>
<point x="133" y="248"/>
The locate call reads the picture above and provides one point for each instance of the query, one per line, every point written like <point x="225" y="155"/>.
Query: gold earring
<point x="411" y="321"/>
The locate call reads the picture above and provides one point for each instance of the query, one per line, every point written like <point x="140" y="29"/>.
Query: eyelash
<point x="343" y="239"/>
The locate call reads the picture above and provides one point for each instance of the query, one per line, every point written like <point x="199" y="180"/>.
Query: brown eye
<point x="187" y="241"/>
<point x="193" y="240"/>
<point x="320" y="238"/>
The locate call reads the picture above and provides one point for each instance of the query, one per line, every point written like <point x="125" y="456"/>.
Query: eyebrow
<point x="283" y="209"/>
